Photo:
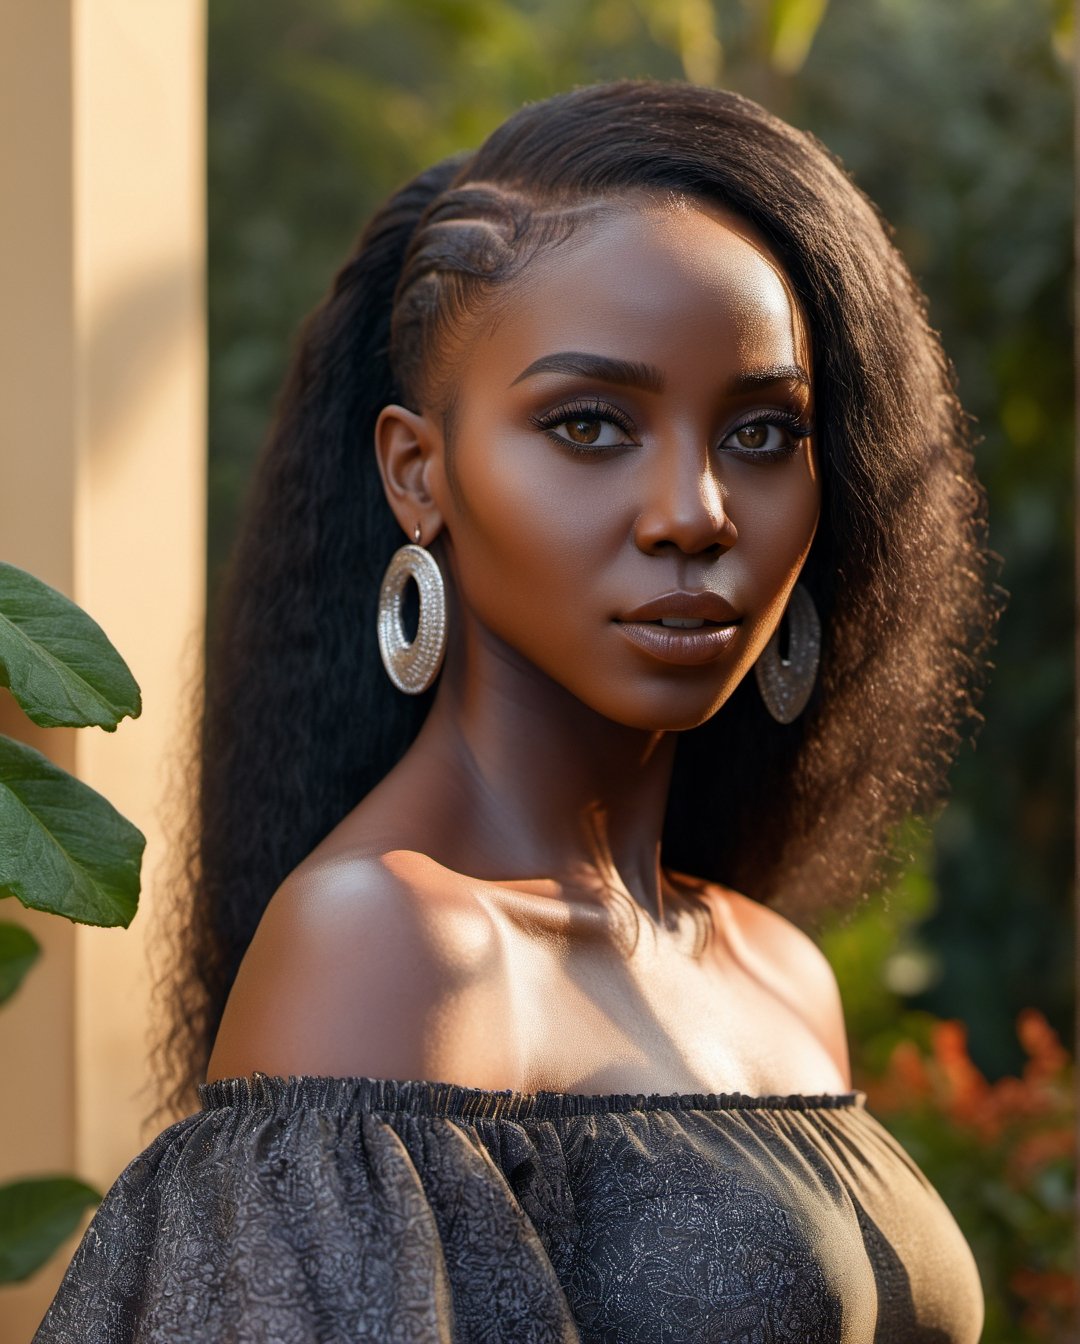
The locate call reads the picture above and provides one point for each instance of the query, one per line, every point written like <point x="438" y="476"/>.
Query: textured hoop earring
<point x="412" y="667"/>
<point x="785" y="683"/>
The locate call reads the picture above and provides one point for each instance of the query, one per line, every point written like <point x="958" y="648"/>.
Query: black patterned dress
<point x="317" y="1210"/>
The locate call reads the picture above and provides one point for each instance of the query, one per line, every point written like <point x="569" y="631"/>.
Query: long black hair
<point x="300" y="720"/>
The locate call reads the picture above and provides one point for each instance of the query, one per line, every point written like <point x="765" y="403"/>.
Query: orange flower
<point x="1035" y="1151"/>
<point x="950" y="1082"/>
<point x="1049" y="1297"/>
<point x="905" y="1080"/>
<point x="1047" y="1056"/>
<point x="1005" y="1102"/>
<point x="965" y="1086"/>
<point x="909" y="1069"/>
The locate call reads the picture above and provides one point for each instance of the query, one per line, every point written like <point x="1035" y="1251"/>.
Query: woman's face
<point x="635" y="422"/>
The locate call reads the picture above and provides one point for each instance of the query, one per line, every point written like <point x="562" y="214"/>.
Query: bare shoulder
<point x="361" y="965"/>
<point x="794" y="953"/>
<point x="789" y="961"/>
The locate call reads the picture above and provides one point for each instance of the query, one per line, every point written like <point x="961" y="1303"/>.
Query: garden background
<point x="956" y="119"/>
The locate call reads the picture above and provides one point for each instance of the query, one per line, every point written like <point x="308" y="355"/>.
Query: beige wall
<point x="102" y="490"/>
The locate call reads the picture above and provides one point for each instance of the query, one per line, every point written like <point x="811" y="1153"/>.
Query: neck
<point x="521" y="780"/>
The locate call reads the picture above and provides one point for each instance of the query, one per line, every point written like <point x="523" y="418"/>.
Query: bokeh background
<point x="957" y="120"/>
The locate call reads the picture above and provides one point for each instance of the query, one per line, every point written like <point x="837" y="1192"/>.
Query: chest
<point x="667" y="1017"/>
<point x="750" y="1226"/>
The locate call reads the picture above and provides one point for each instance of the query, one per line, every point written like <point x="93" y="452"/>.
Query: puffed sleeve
<point x="303" y="1210"/>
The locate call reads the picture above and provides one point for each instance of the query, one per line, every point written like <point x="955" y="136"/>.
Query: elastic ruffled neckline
<point x="422" y="1097"/>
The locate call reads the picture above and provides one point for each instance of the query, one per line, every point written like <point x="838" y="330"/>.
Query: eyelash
<point x="582" y="410"/>
<point x="604" y="411"/>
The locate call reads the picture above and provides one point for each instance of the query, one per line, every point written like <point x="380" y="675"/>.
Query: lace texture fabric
<point x="336" y="1210"/>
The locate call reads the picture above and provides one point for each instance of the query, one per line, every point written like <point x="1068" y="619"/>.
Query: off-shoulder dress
<point x="320" y="1210"/>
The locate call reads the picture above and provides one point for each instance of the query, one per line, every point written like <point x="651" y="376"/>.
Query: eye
<point x="592" y="432"/>
<point x="768" y="438"/>
<point x="586" y="427"/>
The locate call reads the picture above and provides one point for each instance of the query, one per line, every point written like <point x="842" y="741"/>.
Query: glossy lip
<point x="686" y="647"/>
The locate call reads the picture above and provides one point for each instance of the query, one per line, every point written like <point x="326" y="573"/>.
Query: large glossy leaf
<point x="35" y="1217"/>
<point x="19" y="949"/>
<point x="58" y="662"/>
<point x="63" y="847"/>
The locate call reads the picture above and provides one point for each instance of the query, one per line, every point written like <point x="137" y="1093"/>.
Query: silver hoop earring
<point x="785" y="683"/>
<point x="412" y="667"/>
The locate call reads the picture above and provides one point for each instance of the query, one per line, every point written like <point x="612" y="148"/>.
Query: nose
<point x="684" y="503"/>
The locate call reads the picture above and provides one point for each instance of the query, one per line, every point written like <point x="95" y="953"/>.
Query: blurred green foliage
<point x="956" y="120"/>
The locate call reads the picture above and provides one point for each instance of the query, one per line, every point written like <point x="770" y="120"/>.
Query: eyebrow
<point x="625" y="371"/>
<point x="629" y="373"/>
<point x="779" y="373"/>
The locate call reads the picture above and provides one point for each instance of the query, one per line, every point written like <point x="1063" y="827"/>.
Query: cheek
<point x="776" y="527"/>
<point x="532" y="528"/>
<point x="543" y="554"/>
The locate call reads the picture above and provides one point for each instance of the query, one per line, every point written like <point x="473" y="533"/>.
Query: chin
<point x="660" y="712"/>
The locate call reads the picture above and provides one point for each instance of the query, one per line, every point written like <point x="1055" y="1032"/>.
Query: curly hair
<point x="299" y="721"/>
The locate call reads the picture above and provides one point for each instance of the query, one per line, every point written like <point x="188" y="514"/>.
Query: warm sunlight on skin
<point x="594" y="488"/>
<point x="632" y="420"/>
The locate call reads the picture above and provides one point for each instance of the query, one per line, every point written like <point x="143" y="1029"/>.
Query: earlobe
<point x="407" y="445"/>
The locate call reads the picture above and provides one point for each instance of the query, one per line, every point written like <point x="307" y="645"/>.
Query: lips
<point x="673" y="644"/>
<point x="694" y="606"/>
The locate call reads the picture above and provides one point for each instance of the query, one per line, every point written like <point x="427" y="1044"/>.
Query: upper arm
<point x="350" y="973"/>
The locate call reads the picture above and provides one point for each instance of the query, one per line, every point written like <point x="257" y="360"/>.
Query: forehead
<point x="684" y="286"/>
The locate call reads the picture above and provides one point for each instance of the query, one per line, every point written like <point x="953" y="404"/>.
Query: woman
<point x="646" y="401"/>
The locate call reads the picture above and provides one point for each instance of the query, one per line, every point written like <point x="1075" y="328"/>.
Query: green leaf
<point x="19" y="949"/>
<point x="63" y="847"/>
<point x="36" y="1216"/>
<point x="58" y="662"/>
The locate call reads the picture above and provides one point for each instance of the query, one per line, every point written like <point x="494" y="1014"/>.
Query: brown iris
<point x="583" y="431"/>
<point x="752" y="436"/>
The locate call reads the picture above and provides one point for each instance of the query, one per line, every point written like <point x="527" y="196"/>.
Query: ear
<point x="408" y="449"/>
